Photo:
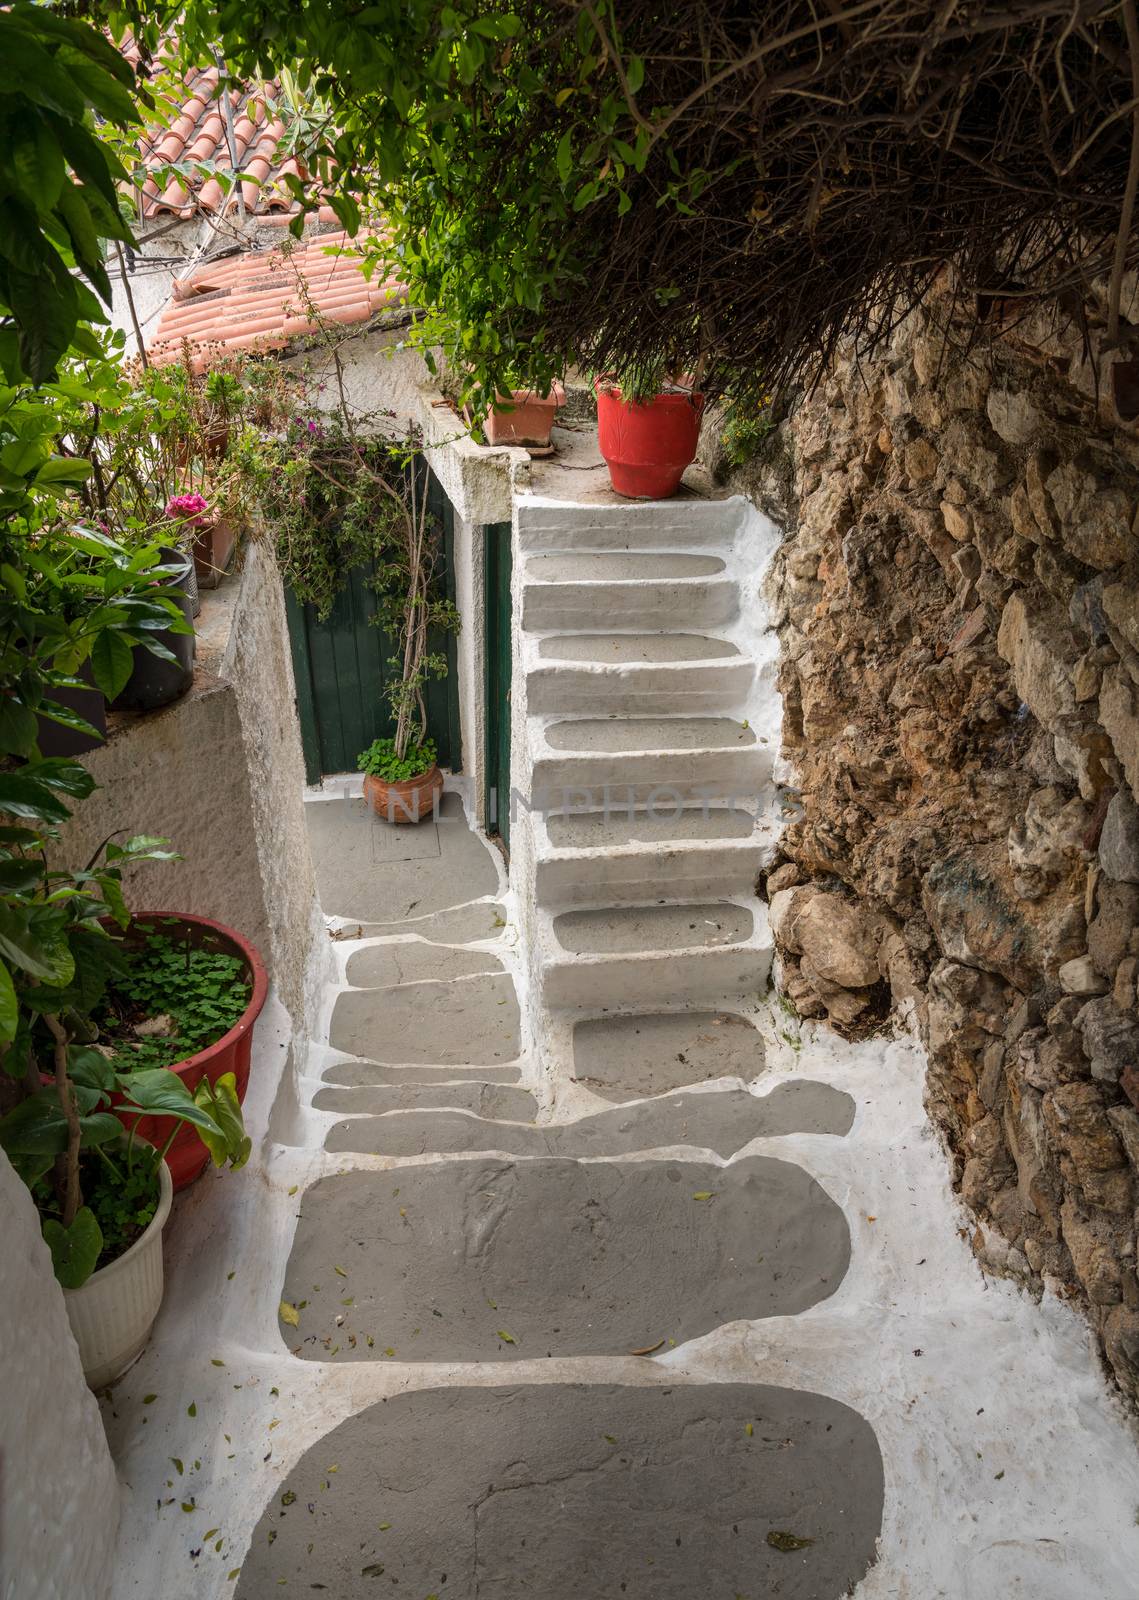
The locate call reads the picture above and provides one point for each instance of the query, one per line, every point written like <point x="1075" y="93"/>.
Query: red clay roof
<point x="197" y="133"/>
<point x="265" y="299"/>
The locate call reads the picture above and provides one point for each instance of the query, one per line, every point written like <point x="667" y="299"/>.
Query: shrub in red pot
<point x="192" y="993"/>
<point x="647" y="443"/>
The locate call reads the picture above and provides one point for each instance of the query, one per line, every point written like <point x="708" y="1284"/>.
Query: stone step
<point x="435" y="1264"/>
<point x="590" y="857"/>
<point x="459" y="1022"/>
<point x="723" y="1122"/>
<point x="582" y="589"/>
<point x="639" y="1490"/>
<point x="669" y="673"/>
<point x="588" y="763"/>
<point x="631" y="956"/>
<point x="497" y="1102"/>
<point x="546" y="525"/>
<point x="652" y="1053"/>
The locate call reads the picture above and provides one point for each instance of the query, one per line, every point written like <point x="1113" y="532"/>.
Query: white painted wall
<point x="59" y="1501"/>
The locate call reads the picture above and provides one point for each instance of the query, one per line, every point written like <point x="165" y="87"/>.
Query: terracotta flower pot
<point x="413" y="800"/>
<point x="187" y="1155"/>
<point x="647" y="444"/>
<point x="213" y="551"/>
<point x="112" y="1314"/>
<point x="529" y="419"/>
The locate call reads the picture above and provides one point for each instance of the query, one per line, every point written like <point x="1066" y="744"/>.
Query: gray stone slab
<point x="625" y="1058"/>
<point x="621" y="929"/>
<point x="593" y="830"/>
<point x="462" y="925"/>
<point x="605" y="566"/>
<point x="375" y="1072"/>
<point x="471" y="1022"/>
<point x="722" y="1122"/>
<point x="369" y="868"/>
<point x="568" y="1258"/>
<point x="492" y="1100"/>
<point x="382" y="964"/>
<point x="648" y="733"/>
<point x="578" y="1492"/>
<point x="635" y="648"/>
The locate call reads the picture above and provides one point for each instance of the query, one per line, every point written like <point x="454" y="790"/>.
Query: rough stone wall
<point x="958" y="607"/>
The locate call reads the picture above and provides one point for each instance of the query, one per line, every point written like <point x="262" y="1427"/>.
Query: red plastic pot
<point x="187" y="1155"/>
<point x="647" y="444"/>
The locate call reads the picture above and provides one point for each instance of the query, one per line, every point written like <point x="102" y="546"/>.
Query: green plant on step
<point x="380" y="760"/>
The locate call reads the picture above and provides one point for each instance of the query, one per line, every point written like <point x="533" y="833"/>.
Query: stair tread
<point x="607" y="566"/>
<point x="624" y="649"/>
<point x="625" y="733"/>
<point x="621" y="930"/>
<point x="594" y="830"/>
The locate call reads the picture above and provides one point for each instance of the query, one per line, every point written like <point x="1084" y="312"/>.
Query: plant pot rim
<point x="405" y="783"/>
<point x="519" y="397"/>
<point x="155" y="1225"/>
<point x="258" y="994"/>
<point x="675" y="394"/>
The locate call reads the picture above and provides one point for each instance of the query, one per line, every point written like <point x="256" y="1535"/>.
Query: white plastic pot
<point x="112" y="1314"/>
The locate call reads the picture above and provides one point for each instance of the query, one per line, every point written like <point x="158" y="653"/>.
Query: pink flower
<point x="187" y="507"/>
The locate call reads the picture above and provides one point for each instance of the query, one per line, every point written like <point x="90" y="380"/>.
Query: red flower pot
<point x="648" y="443"/>
<point x="412" y="800"/>
<point x="213" y="551"/>
<point x="187" y="1155"/>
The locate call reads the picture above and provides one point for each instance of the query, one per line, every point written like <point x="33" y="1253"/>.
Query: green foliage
<point x="746" y="425"/>
<point x="58" y="197"/>
<point x="203" y="993"/>
<point x="380" y="760"/>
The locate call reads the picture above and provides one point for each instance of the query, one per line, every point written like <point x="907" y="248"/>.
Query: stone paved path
<point x="497" y="1233"/>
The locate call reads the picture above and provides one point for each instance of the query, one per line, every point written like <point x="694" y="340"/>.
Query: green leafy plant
<point x="198" y="993"/>
<point x="747" y="424"/>
<point x="380" y="760"/>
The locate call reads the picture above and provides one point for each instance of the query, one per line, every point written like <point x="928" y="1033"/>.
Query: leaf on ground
<point x="178" y="1464"/>
<point x="749" y="1429"/>
<point x="188" y="1505"/>
<point x="235" y="1572"/>
<point x="507" y="1338"/>
<point x="779" y="1539"/>
<point x="649" y="1349"/>
<point x="374" y="1571"/>
<point x="384" y="1526"/>
<point x="289" y="1497"/>
<point x="276" y="1423"/>
<point x="340" y="1271"/>
<point x="294" y="1189"/>
<point x="149" y="1399"/>
<point x="192" y="1409"/>
<point x="214" y="1362"/>
<point x="208" y="1535"/>
<point x="289" y="1314"/>
<point x="704" y="1194"/>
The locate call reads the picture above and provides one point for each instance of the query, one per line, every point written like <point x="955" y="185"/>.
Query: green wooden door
<point x="342" y="664"/>
<point x="496" y="796"/>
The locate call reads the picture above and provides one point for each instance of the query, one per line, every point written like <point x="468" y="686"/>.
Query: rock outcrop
<point x="958" y="606"/>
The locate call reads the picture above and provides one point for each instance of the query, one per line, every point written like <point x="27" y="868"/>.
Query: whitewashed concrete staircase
<point x="643" y="750"/>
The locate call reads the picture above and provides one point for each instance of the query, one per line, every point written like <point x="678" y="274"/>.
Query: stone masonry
<point x="958" y="608"/>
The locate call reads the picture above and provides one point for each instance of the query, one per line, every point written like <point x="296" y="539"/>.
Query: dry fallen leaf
<point x="289" y="1314"/>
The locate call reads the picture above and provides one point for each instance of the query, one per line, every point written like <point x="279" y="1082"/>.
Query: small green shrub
<point x="379" y="760"/>
<point x="203" y="992"/>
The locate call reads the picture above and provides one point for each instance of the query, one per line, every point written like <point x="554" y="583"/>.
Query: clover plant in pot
<point x="73" y="1101"/>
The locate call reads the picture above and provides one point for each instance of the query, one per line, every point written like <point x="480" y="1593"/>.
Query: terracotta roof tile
<point x="263" y="299"/>
<point x="197" y="133"/>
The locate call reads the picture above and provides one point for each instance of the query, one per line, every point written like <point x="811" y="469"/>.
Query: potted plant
<point x="648" y="432"/>
<point x="185" y="997"/>
<point x="103" y="1220"/>
<point x="72" y="1100"/>
<point x="525" y="417"/>
<point x="161" y="665"/>
<point x="212" y="535"/>
<point x="401" y="788"/>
